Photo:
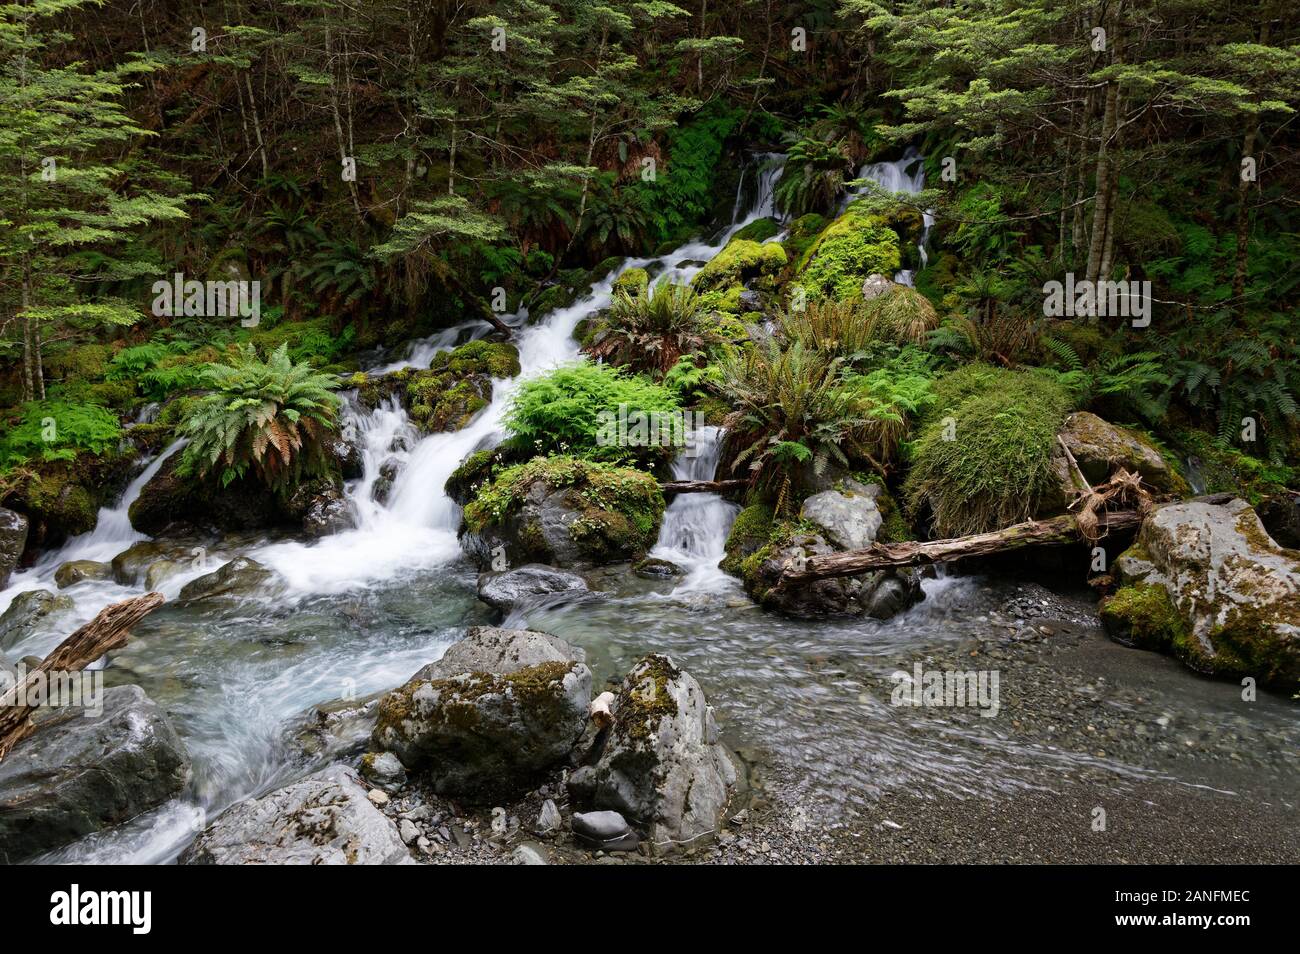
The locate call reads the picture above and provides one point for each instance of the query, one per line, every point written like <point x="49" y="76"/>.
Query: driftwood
<point x="109" y="630"/>
<point x="701" y="486"/>
<point x="880" y="556"/>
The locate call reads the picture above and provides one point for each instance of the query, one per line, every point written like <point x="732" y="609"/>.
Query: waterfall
<point x="417" y="526"/>
<point x="695" y="526"/>
<point x="894" y="177"/>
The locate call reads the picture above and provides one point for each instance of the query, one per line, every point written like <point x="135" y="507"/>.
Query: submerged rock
<point x="239" y="578"/>
<point x="131" y="565"/>
<point x="26" y="610"/>
<point x="324" y="819"/>
<point x="1231" y="596"/>
<point x="78" y="774"/>
<point x="662" y="764"/>
<point x="74" y="571"/>
<point x="13" y="539"/>
<point x="532" y="585"/>
<point x="485" y="731"/>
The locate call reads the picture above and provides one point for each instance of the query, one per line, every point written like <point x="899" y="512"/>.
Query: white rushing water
<point x="695" y="526"/>
<point x="905" y="175"/>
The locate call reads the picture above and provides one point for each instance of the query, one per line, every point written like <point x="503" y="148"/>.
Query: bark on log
<point x="880" y="556"/>
<point x="701" y="486"/>
<point x="109" y="630"/>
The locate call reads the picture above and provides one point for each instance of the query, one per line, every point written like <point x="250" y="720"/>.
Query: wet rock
<point x="500" y="651"/>
<point x="171" y="504"/>
<point x="74" y="571"/>
<point x="480" y="733"/>
<point x="1100" y="448"/>
<point x="850" y="519"/>
<point x="875" y="286"/>
<point x="324" y="819"/>
<point x="662" y="765"/>
<point x="13" y="539"/>
<point x="1236" y="593"/>
<point x="239" y="578"/>
<point x="653" y="568"/>
<point x="161" y="570"/>
<point x="339" y="729"/>
<point x="383" y="484"/>
<point x="131" y="565"/>
<point x="530" y="586"/>
<point x="78" y="774"/>
<point x="26" y="611"/>
<point x="606" y="831"/>
<point x="351" y="463"/>
<point x="383" y="768"/>
<point x="880" y="593"/>
<point x="327" y="513"/>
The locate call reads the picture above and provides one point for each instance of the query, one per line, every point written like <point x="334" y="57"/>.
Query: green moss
<point x="634" y="281"/>
<point x="1228" y="470"/>
<point x="740" y="261"/>
<point x="749" y="533"/>
<point x="854" y="246"/>
<point x="993" y="466"/>
<point x="1144" y="615"/>
<point x="495" y="359"/>
<point x="759" y="230"/>
<point x="645" y="701"/>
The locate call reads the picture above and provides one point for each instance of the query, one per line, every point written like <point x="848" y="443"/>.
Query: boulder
<point x="27" y="610"/>
<point x="653" y="568"/>
<point x="565" y="512"/>
<point x="530" y="586"/>
<point x="74" y="571"/>
<point x="876" y="285"/>
<point x="323" y="819"/>
<point x="1280" y="515"/>
<point x="78" y="774"/>
<point x="1100" y="448"/>
<point x="1231" y="596"/>
<point x="13" y="539"/>
<point x="662" y="765"/>
<point x="237" y="579"/>
<point x="338" y="729"/>
<point x="161" y="570"/>
<point x="500" y="651"/>
<point x="326" y="514"/>
<point x="484" y="732"/>
<point x="132" y="565"/>
<point x="605" y="831"/>
<point x="351" y="462"/>
<point x="850" y="519"/>
<point x="170" y="504"/>
<point x="383" y="484"/>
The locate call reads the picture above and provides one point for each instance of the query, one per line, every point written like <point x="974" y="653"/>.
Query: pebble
<point x="607" y="830"/>
<point x="377" y="797"/>
<point x="549" y="819"/>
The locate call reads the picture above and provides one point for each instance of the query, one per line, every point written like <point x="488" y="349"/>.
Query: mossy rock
<point x="750" y="532"/>
<point x="634" y="281"/>
<point x="741" y="261"/>
<point x="565" y="511"/>
<point x="760" y="230"/>
<point x="854" y="246"/>
<point x="1143" y="616"/>
<point x="455" y="387"/>
<point x="174" y="504"/>
<point x="478" y="470"/>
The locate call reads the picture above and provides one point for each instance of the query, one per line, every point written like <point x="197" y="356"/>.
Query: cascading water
<point x="695" y="526"/>
<point x="905" y="175"/>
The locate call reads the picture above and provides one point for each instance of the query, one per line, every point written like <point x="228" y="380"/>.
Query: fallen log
<point x="881" y="556"/>
<point x="109" y="630"/>
<point x="701" y="486"/>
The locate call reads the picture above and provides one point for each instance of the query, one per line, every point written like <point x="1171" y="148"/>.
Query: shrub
<point x="562" y="411"/>
<point x="905" y="315"/>
<point x="650" y="330"/>
<point x="270" y="416"/>
<point x="993" y="468"/>
<point x="56" y="430"/>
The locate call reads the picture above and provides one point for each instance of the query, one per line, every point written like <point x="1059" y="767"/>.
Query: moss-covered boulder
<point x="1236" y="593"/>
<point x="511" y="713"/>
<point x="741" y="262"/>
<point x="750" y="532"/>
<point x="661" y="765"/>
<point x="1100" y="448"/>
<point x="854" y="246"/>
<point x="454" y="388"/>
<point x="634" y="281"/>
<point x="564" y="511"/>
<point x="171" y="504"/>
<point x="76" y="571"/>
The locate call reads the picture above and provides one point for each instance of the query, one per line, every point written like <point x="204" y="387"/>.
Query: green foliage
<point x="740" y="261"/>
<point x="814" y="175"/>
<point x="54" y="430"/>
<point x="647" y="332"/>
<point x="691" y="380"/>
<point x="565" y="411"/>
<point x="270" y="417"/>
<point x="854" y="246"/>
<point x="986" y="462"/>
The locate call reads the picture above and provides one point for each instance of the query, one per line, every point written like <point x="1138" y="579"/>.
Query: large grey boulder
<point x="877" y="285"/>
<point x="239" y="578"/>
<point x="13" y="538"/>
<point x="849" y="519"/>
<point x="662" y="765"/>
<point x="530" y="586"/>
<point x="495" y="725"/>
<point x="323" y="819"/>
<point x="1236" y="592"/>
<point x="78" y="774"/>
<point x="26" y="611"/>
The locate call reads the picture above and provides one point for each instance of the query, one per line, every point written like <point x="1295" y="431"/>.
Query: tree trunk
<point x="1243" y="202"/>
<point x="257" y="124"/>
<point x="701" y="486"/>
<point x="880" y="556"/>
<point x="109" y="630"/>
<point x="1109" y="123"/>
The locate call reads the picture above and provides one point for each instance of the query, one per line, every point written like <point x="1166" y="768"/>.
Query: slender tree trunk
<point x="1243" y="201"/>
<point x="338" y="120"/>
<point x="257" y="124"/>
<point x="1109" y="123"/>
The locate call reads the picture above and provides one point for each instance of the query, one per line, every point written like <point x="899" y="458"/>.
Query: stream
<point x="363" y="609"/>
